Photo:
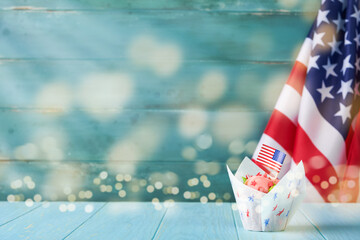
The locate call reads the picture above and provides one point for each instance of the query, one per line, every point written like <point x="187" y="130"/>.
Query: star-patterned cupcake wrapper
<point x="267" y="211"/>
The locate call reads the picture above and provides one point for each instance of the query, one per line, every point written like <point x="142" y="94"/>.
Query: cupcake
<point x="266" y="203"/>
<point x="261" y="182"/>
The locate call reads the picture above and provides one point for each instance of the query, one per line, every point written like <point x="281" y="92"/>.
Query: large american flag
<point x="316" y="116"/>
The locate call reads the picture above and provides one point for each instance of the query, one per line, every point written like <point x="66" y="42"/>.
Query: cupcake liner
<point x="267" y="211"/>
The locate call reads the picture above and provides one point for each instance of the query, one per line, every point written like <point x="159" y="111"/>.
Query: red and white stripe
<point x="265" y="158"/>
<point x="297" y="128"/>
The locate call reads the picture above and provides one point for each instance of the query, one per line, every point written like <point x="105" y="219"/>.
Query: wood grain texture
<point x="110" y="221"/>
<point x="298" y="228"/>
<point x="334" y="221"/>
<point x="47" y="222"/>
<point x="226" y="5"/>
<point x="25" y="80"/>
<point x="53" y="52"/>
<point x="152" y="135"/>
<point x="127" y="220"/>
<point x="57" y="181"/>
<point x="227" y="36"/>
<point x="14" y="210"/>
<point x="155" y="107"/>
<point x="197" y="221"/>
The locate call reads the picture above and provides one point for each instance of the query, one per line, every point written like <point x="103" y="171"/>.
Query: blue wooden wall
<point x="138" y="100"/>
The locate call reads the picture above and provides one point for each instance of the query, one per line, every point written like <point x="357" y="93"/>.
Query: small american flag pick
<point x="271" y="159"/>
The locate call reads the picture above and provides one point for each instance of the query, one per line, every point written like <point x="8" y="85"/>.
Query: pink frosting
<point x="260" y="182"/>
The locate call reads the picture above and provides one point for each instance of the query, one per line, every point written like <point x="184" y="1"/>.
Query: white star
<point x="345" y="88"/>
<point x="312" y="63"/>
<point x="339" y="23"/>
<point x="346" y="64"/>
<point x="325" y="92"/>
<point x="317" y="39"/>
<point x="347" y="42"/>
<point x="357" y="85"/>
<point x="356" y="15"/>
<point x="344" y="112"/>
<point x="334" y="46"/>
<point x="321" y="17"/>
<point x="329" y="68"/>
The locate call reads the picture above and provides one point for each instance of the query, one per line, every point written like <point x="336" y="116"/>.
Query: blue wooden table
<point x="144" y="220"/>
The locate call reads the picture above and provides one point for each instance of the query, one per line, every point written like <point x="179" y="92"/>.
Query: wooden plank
<point x="100" y="181"/>
<point x="49" y="222"/>
<point x="298" y="228"/>
<point x="14" y="210"/>
<point x="226" y="5"/>
<point x="334" y="221"/>
<point x="128" y="220"/>
<point x="154" y="135"/>
<point x="227" y="36"/>
<point x="156" y="106"/>
<point x="25" y="82"/>
<point x="197" y="221"/>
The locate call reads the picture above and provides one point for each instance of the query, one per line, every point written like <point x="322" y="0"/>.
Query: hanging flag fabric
<point x="271" y="159"/>
<point x="316" y="116"/>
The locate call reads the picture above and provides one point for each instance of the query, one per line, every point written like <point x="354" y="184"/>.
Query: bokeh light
<point x="212" y="86"/>
<point x="26" y="151"/>
<point x="55" y="97"/>
<point x="288" y="3"/>
<point x="272" y="89"/>
<point x="154" y="114"/>
<point x="192" y="123"/>
<point x="236" y="147"/>
<point x="204" y="141"/>
<point x="51" y="142"/>
<point x="164" y="59"/>
<point x="189" y="153"/>
<point x="226" y="125"/>
<point x="103" y="95"/>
